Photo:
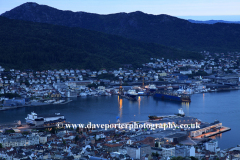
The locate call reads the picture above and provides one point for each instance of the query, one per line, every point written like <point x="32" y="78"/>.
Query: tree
<point x="9" y="131"/>
<point x="92" y="85"/>
<point x="10" y="95"/>
<point x="177" y="158"/>
<point x="193" y="158"/>
<point x="64" y="142"/>
<point x="25" y="133"/>
<point x="27" y="83"/>
<point x="77" y="130"/>
<point x="102" y="84"/>
<point x="53" y="130"/>
<point x="76" y="138"/>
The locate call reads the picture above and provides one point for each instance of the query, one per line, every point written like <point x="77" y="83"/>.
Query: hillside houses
<point x="29" y="83"/>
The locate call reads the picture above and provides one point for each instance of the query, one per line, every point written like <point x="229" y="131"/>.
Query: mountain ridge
<point x="42" y="46"/>
<point x="162" y="29"/>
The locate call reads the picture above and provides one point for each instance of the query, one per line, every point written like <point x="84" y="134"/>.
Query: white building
<point x="212" y="146"/>
<point x="192" y="151"/>
<point x="186" y="72"/>
<point x="168" y="151"/>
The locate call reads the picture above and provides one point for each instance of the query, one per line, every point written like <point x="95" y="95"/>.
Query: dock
<point x="210" y="134"/>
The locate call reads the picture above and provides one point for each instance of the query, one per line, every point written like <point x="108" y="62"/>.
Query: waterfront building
<point x="212" y="146"/>
<point x="205" y="128"/>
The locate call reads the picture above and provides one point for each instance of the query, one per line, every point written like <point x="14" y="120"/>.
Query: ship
<point x="180" y="113"/>
<point x="132" y="94"/>
<point x="152" y="87"/>
<point x="155" y="117"/>
<point x="35" y="119"/>
<point x="166" y="95"/>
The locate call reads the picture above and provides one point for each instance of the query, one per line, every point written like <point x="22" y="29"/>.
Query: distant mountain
<point x="161" y="29"/>
<point x="213" y="21"/>
<point x="32" y="45"/>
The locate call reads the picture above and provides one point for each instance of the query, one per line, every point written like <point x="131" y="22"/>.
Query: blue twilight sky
<point x="194" y="9"/>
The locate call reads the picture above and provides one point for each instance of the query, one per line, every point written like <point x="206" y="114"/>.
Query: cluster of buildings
<point x="217" y="63"/>
<point x="94" y="143"/>
<point x="215" y="72"/>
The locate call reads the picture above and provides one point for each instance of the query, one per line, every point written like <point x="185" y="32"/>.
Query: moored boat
<point x="166" y="95"/>
<point x="132" y="94"/>
<point x="155" y="117"/>
<point x="152" y="87"/>
<point x="180" y="113"/>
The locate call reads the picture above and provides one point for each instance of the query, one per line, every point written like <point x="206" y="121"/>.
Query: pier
<point x="209" y="134"/>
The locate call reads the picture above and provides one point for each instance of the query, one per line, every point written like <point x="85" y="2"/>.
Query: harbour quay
<point x="191" y="134"/>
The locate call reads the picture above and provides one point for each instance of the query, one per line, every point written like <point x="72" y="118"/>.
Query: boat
<point x="33" y="118"/>
<point x="162" y="87"/>
<point x="213" y="90"/>
<point x="83" y="94"/>
<point x="169" y="87"/>
<point x="180" y="91"/>
<point x="140" y="93"/>
<point x="57" y="102"/>
<point x="180" y="113"/>
<point x="155" y="117"/>
<point x="166" y="95"/>
<point x="106" y="94"/>
<point x="196" y="91"/>
<point x="152" y="87"/>
<point x="131" y="93"/>
<point x="61" y="101"/>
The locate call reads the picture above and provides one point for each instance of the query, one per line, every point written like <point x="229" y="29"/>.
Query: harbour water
<point x="223" y="106"/>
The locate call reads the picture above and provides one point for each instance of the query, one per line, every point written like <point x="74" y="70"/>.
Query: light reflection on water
<point x="139" y="105"/>
<point x="217" y="136"/>
<point x="185" y="106"/>
<point x="120" y="106"/>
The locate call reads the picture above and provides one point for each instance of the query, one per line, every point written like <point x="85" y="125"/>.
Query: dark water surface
<point x="223" y="106"/>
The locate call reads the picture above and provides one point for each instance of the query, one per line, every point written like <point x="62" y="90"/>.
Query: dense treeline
<point x="31" y="45"/>
<point x="10" y="95"/>
<point x="161" y="29"/>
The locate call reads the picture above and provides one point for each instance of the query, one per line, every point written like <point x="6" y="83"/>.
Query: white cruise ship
<point x="33" y="117"/>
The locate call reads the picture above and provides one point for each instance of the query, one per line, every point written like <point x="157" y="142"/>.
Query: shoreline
<point x="33" y="104"/>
